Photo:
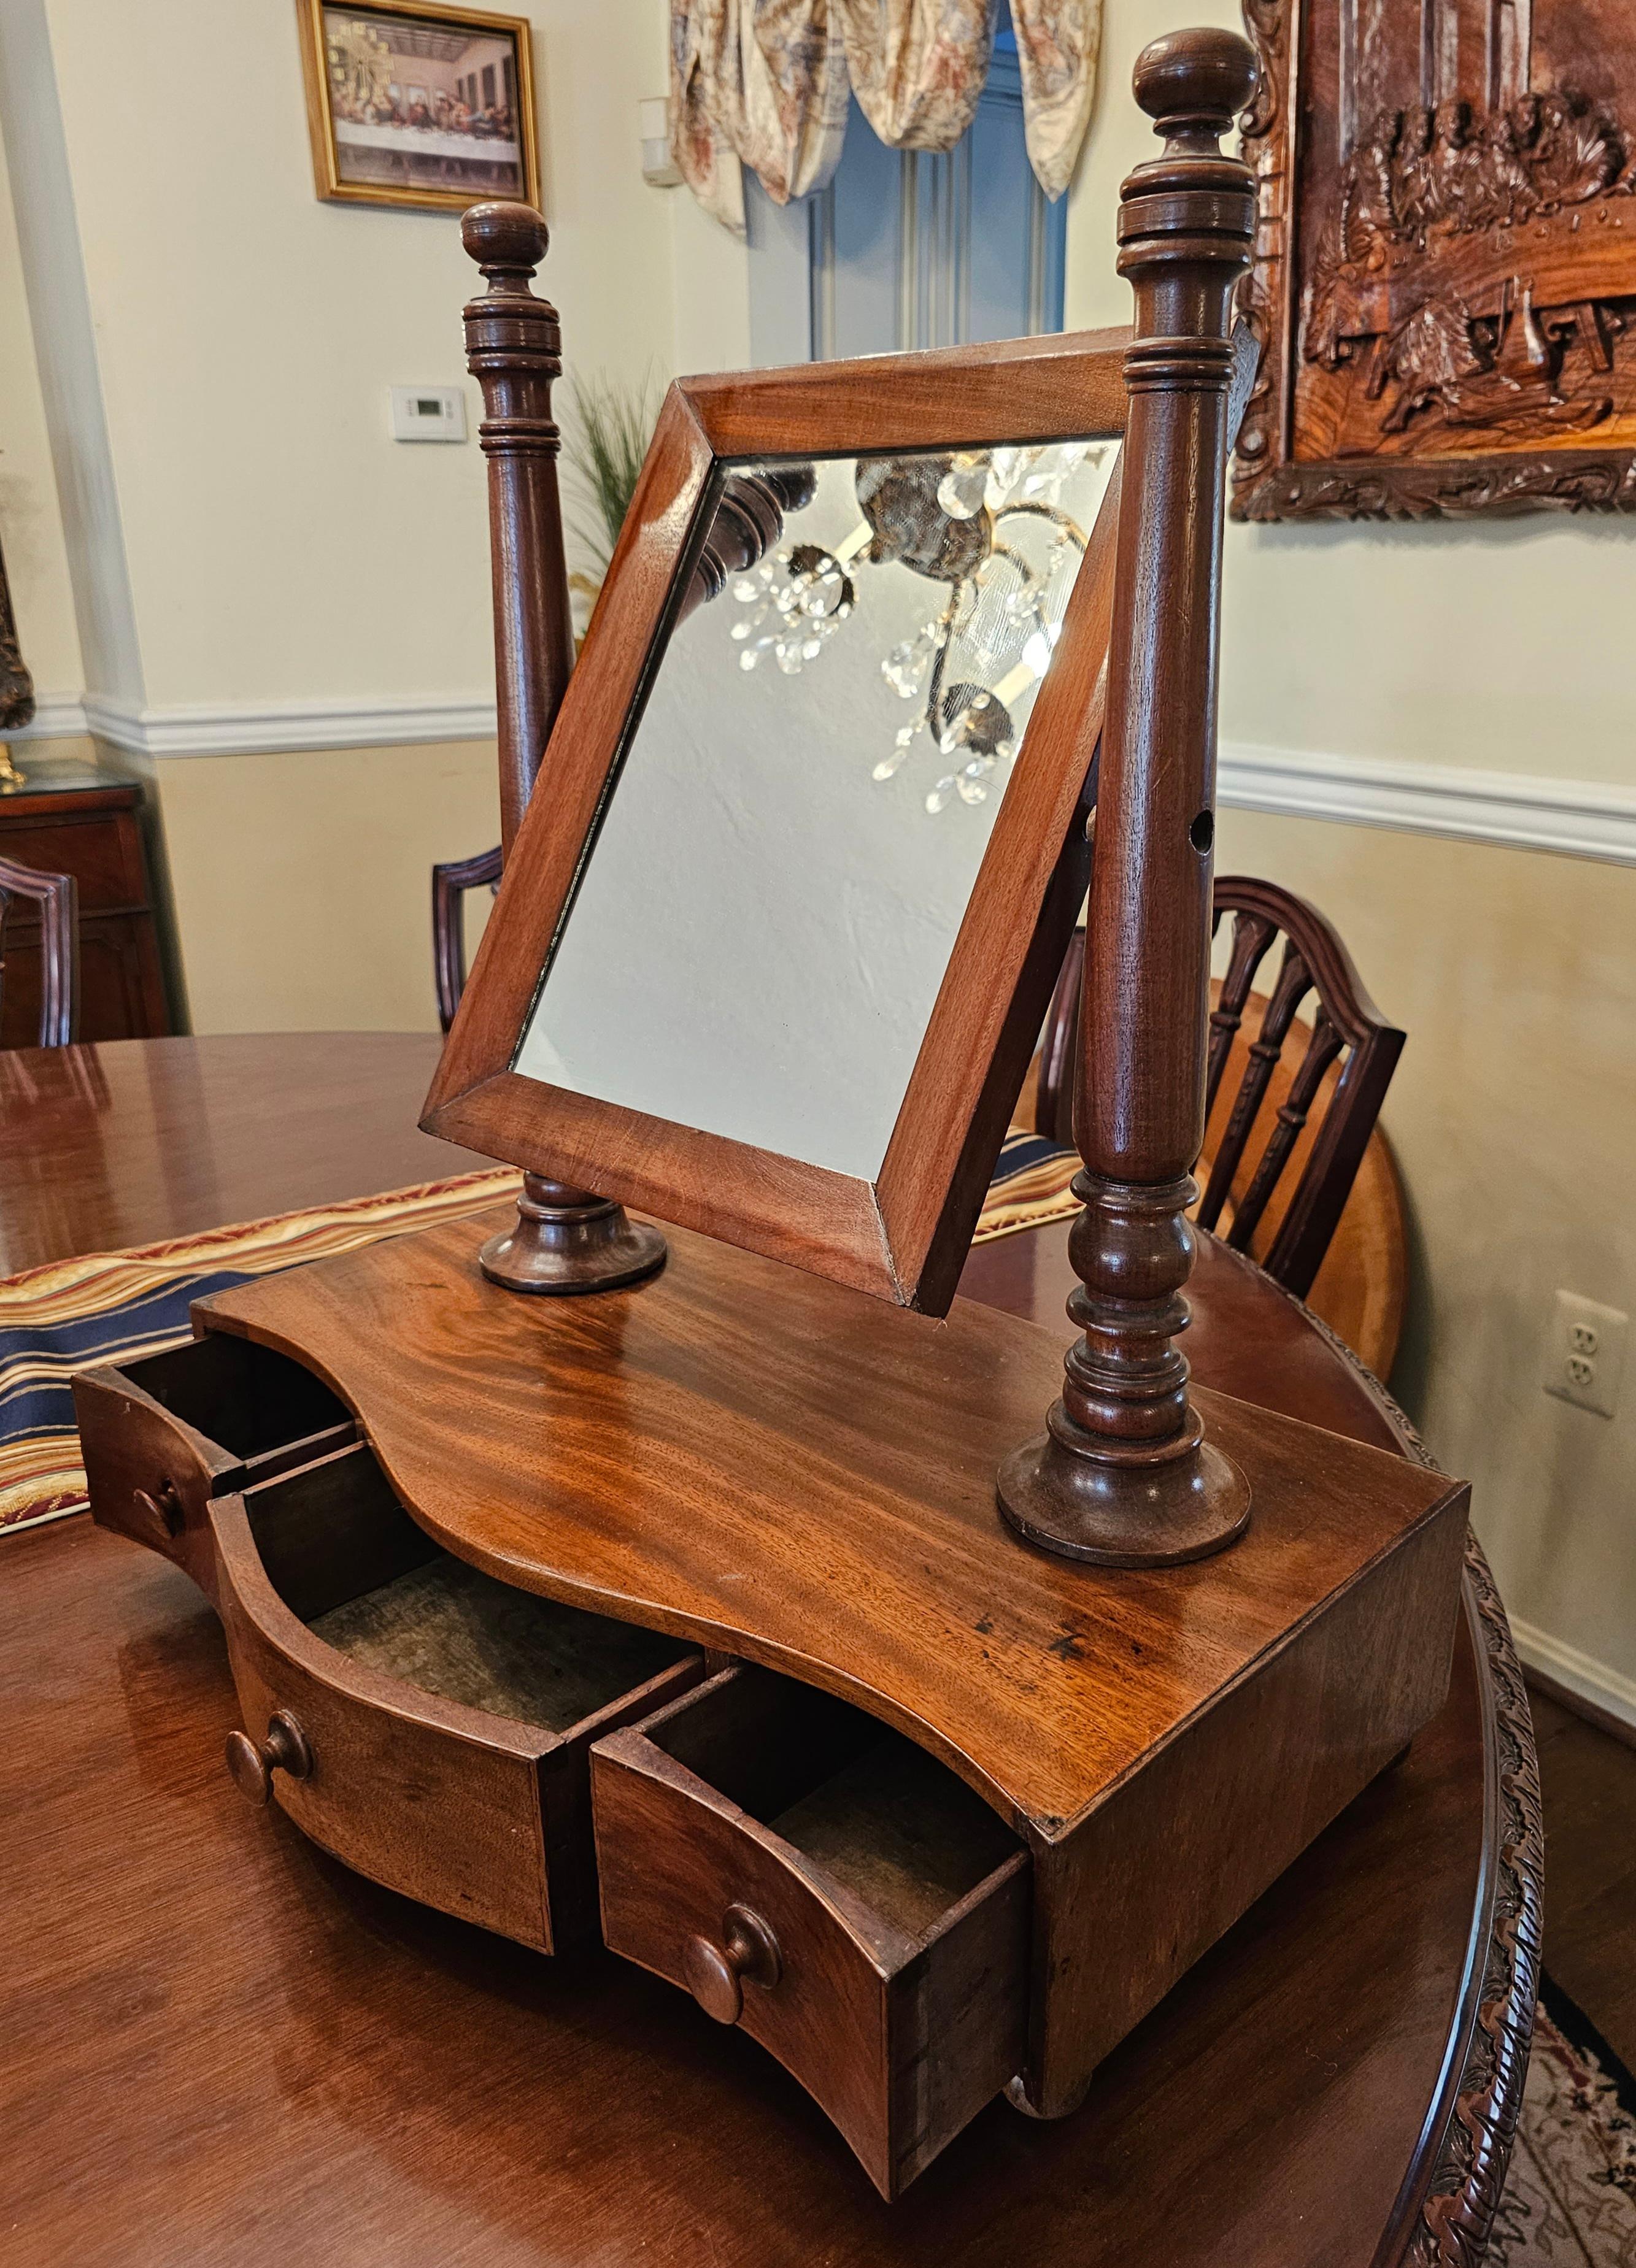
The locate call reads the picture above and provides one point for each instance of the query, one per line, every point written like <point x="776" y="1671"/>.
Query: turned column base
<point x="1157" y="1505"/>
<point x="567" y="1242"/>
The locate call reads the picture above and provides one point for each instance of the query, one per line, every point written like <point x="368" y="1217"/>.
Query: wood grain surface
<point x="221" y="2045"/>
<point x="137" y="1140"/>
<point x="663" y="1455"/>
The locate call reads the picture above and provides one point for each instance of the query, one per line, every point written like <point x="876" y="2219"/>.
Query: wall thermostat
<point x="428" y="413"/>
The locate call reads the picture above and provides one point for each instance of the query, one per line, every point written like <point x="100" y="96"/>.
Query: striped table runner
<point x="117" y="1307"/>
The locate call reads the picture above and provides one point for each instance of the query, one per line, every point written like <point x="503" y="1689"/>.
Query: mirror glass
<point x="785" y="853"/>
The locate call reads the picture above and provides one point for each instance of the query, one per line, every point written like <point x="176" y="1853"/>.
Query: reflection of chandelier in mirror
<point x="988" y="523"/>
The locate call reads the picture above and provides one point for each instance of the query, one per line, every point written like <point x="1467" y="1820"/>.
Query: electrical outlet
<point x="1585" y="1353"/>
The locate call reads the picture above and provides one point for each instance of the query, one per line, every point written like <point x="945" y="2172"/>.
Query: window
<point x="908" y="249"/>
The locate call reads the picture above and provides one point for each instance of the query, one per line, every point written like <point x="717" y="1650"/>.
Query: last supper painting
<point x="1445" y="281"/>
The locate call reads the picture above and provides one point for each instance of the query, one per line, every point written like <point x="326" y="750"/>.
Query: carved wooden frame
<point x="321" y="120"/>
<point x="1270" y="482"/>
<point x="903" y="1236"/>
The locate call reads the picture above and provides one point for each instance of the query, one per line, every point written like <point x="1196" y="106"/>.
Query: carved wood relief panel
<point x="1445" y="280"/>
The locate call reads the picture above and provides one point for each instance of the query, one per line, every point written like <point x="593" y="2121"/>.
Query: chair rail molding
<point x="265" y="727"/>
<point x="57" y="717"/>
<point x="1523" y="810"/>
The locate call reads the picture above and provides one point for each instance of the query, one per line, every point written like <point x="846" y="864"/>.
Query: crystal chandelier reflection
<point x="988" y="524"/>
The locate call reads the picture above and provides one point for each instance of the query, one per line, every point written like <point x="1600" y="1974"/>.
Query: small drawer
<point x="832" y="1889"/>
<point x="162" y="1435"/>
<point x="426" y="1724"/>
<point x="102" y="851"/>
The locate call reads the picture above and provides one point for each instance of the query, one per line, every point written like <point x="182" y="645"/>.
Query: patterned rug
<point x="1571" y="2198"/>
<point x="117" y="1307"/>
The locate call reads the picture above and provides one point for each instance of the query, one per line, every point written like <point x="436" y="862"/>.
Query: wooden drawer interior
<point x="819" y="1880"/>
<point x="348" y="1563"/>
<point x="891" y="1828"/>
<point x="440" y="1721"/>
<point x="164" y="1435"/>
<point x="260" y="1408"/>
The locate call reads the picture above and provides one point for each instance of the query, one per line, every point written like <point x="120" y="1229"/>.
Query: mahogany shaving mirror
<point x="780" y="924"/>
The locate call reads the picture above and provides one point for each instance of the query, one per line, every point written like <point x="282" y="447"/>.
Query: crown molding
<point x="1525" y="810"/>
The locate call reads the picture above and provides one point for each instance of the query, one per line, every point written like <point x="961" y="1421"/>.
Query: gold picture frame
<point x="381" y="139"/>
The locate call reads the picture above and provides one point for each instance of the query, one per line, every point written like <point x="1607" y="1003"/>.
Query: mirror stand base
<point x="566" y="1241"/>
<point x="1119" y="1506"/>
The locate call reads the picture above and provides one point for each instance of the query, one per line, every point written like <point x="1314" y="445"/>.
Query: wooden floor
<point x="1588" y="1781"/>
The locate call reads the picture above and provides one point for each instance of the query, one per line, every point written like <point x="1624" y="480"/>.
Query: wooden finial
<point x="565" y="1240"/>
<point x="506" y="240"/>
<point x="1123" y="1474"/>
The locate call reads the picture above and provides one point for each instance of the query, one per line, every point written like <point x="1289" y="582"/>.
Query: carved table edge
<point x="1445" y="2209"/>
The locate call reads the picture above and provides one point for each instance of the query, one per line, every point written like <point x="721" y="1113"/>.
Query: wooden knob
<point x="285" y="1749"/>
<point x="1197" y="82"/>
<point x="159" y="1513"/>
<point x="716" y="1974"/>
<point x="504" y="239"/>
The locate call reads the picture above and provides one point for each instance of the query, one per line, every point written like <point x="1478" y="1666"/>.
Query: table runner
<point x="118" y="1307"/>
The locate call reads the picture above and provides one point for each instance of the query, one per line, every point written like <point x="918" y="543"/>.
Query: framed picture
<point x="409" y="103"/>
<point x="779" y="926"/>
<point x="1445" y="281"/>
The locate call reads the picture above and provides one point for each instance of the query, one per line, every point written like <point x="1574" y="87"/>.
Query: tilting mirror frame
<point x="904" y="1235"/>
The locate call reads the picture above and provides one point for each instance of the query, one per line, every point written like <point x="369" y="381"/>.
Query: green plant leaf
<point x="610" y="424"/>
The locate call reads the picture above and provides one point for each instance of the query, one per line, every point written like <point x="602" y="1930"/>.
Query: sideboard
<point x="72" y="819"/>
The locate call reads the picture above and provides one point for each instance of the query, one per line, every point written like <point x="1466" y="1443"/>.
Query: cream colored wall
<point x="1511" y="1114"/>
<point x="281" y="544"/>
<point x="1502" y="646"/>
<point x="303" y="881"/>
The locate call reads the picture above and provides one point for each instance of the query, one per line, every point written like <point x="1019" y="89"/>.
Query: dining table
<point x="219" y="2046"/>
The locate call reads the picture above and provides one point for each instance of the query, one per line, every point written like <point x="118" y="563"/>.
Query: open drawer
<point x="834" y="1890"/>
<point x="425" y="1723"/>
<point x="162" y="1435"/>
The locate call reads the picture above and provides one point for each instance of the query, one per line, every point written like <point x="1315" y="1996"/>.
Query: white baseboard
<point x="1580" y="819"/>
<point x="1583" y="818"/>
<point x="1592" y="1681"/>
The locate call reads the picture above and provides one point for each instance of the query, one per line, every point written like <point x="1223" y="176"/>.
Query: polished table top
<point x="216" y="2044"/>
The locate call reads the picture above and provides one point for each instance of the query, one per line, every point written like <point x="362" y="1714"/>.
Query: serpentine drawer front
<point x="834" y="1890"/>
<point x="425" y="1723"/>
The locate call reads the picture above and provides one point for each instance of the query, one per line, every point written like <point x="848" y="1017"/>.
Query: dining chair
<point x="1270" y="1100"/>
<point x="449" y="884"/>
<point x="57" y="897"/>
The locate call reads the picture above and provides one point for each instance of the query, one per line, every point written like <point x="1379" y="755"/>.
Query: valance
<point x="765" y="83"/>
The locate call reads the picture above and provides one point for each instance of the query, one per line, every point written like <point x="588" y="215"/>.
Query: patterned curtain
<point x="1058" y="41"/>
<point x="764" y="82"/>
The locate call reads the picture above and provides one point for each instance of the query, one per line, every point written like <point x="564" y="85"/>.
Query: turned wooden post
<point x="515" y="351"/>
<point x="1123" y="1474"/>
<point x="565" y="1240"/>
